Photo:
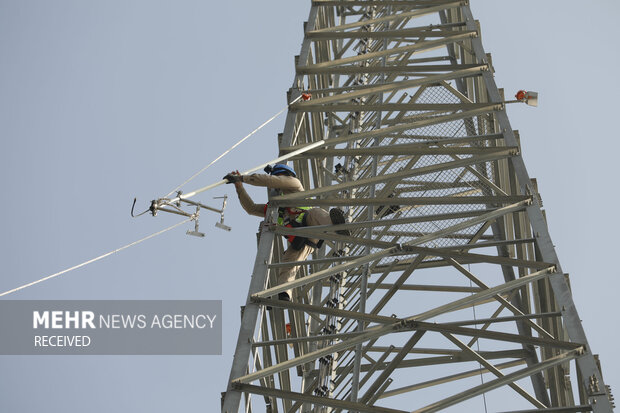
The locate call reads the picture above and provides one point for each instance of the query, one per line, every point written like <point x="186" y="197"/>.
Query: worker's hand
<point x="234" y="178"/>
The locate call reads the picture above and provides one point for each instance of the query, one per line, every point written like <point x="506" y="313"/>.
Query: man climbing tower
<point x="284" y="178"/>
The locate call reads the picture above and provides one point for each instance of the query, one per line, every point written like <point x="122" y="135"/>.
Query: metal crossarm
<point x="443" y="283"/>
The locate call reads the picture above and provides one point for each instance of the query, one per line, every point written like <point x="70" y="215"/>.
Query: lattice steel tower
<point x="448" y="285"/>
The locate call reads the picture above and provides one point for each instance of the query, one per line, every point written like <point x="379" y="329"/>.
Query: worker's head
<point x="281" y="169"/>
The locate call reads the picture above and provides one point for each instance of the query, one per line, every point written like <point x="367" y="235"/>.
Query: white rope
<point x="94" y="259"/>
<point x="170" y="193"/>
<point x="232" y="147"/>
<point x="279" y="159"/>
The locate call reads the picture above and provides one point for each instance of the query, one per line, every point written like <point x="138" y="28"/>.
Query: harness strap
<point x="298" y="219"/>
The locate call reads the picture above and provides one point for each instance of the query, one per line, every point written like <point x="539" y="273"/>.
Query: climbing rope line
<point x="232" y="147"/>
<point x="95" y="259"/>
<point x="484" y="396"/>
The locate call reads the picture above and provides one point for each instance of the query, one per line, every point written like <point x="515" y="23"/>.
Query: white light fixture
<point x="530" y="98"/>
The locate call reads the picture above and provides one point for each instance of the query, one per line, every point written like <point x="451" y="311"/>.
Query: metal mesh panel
<point x="444" y="181"/>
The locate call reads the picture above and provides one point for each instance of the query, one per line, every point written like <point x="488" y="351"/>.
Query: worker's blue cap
<point x="280" y="168"/>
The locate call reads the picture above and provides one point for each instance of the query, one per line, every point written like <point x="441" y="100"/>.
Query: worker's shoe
<point x="283" y="296"/>
<point x="337" y="217"/>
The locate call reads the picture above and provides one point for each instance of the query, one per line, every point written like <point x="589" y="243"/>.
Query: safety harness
<point x="294" y="218"/>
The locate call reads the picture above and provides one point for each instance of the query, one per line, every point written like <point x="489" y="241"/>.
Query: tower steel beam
<point x="414" y="144"/>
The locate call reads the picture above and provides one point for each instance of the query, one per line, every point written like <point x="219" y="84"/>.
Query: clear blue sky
<point x="101" y="101"/>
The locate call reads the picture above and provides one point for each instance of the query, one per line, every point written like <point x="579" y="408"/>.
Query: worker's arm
<point x="247" y="203"/>
<point x="285" y="183"/>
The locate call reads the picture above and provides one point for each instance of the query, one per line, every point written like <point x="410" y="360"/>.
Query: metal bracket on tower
<point x="523" y="96"/>
<point x="221" y="223"/>
<point x="176" y="207"/>
<point x="195" y="232"/>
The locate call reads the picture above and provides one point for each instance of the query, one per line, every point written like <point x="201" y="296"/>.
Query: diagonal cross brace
<point x="380" y="254"/>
